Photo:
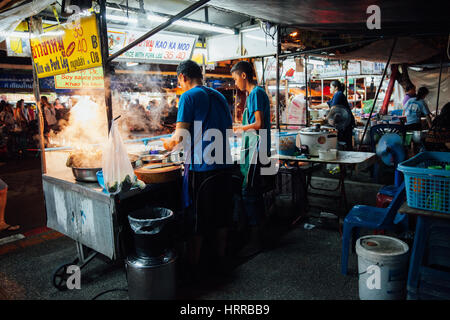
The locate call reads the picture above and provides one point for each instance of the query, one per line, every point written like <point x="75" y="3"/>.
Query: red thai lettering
<point x="44" y="45"/>
<point x="54" y="45"/>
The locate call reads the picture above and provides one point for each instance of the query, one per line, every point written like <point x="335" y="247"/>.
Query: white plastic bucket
<point x="382" y="267"/>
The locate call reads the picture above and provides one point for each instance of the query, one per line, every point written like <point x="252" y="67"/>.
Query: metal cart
<point x="95" y="220"/>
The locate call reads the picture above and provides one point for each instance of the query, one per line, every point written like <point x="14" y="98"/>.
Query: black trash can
<point x="151" y="268"/>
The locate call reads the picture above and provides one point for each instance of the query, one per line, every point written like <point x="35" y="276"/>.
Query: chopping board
<point x="149" y="174"/>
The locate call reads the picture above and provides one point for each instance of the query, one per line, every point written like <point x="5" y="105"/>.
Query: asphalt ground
<point x="296" y="264"/>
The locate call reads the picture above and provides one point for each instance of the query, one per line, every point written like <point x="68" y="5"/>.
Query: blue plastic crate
<point x="427" y="189"/>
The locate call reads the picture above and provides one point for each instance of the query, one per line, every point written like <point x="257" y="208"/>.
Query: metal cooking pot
<point x="153" y="158"/>
<point x="318" y="138"/>
<point x="419" y="136"/>
<point x="85" y="174"/>
<point x="90" y="174"/>
<point x="135" y="160"/>
<point x="358" y="133"/>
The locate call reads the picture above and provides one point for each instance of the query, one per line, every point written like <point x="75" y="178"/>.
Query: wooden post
<point x="37" y="97"/>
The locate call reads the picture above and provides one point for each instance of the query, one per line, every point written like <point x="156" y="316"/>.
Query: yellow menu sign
<point x="67" y="48"/>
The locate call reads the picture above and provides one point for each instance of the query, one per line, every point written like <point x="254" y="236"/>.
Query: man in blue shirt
<point x="255" y="143"/>
<point x="202" y="122"/>
<point x="416" y="107"/>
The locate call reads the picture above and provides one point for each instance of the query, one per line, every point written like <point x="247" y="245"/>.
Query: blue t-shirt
<point x="194" y="106"/>
<point x="259" y="101"/>
<point x="339" y="98"/>
<point x="414" y="109"/>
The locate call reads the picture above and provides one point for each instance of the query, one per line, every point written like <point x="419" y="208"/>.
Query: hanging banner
<point x="19" y="82"/>
<point x="67" y="48"/>
<point x="368" y="67"/>
<point x="85" y="79"/>
<point x="17" y="47"/>
<point x="334" y="69"/>
<point x="163" y="47"/>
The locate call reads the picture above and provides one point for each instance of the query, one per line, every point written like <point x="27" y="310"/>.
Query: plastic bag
<point x="118" y="172"/>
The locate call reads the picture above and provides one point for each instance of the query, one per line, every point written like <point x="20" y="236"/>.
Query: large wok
<point x="90" y="174"/>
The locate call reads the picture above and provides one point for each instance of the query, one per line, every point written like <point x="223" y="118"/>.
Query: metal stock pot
<point x="358" y="133"/>
<point x="317" y="138"/>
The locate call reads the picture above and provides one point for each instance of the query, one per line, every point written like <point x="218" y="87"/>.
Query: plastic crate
<point x="427" y="189"/>
<point x="286" y="143"/>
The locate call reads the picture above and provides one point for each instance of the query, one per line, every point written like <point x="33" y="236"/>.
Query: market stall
<point x="77" y="204"/>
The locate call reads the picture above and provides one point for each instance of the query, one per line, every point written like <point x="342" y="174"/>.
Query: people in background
<point x="61" y="111"/>
<point x="255" y="134"/>
<point x="151" y="105"/>
<point x="29" y="108"/>
<point x="49" y="115"/>
<point x="414" y="108"/>
<point x="410" y="93"/>
<point x="22" y="116"/>
<point x="7" y="118"/>
<point x="57" y="104"/>
<point x="170" y="116"/>
<point x="339" y="99"/>
<point x="438" y="137"/>
<point x="207" y="185"/>
<point x="3" y="197"/>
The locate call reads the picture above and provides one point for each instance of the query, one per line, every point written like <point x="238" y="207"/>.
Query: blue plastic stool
<point x="429" y="267"/>
<point x="361" y="216"/>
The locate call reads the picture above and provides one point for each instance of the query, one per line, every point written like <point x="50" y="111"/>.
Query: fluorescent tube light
<point x="181" y="23"/>
<point x="14" y="34"/>
<point x="192" y="24"/>
<point x="121" y="19"/>
<point x="251" y="28"/>
<point x="256" y="38"/>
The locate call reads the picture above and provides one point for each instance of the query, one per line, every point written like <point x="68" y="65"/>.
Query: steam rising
<point x="87" y="126"/>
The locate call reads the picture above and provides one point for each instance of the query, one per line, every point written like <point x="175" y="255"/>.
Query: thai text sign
<point x="334" y="69"/>
<point x="67" y="48"/>
<point x="163" y="47"/>
<point x="85" y="79"/>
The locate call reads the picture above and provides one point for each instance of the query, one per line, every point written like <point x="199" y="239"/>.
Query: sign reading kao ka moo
<point x="163" y="47"/>
<point x="67" y="48"/>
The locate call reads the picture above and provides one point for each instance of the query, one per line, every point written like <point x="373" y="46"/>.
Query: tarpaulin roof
<point x="350" y="15"/>
<point x="10" y="19"/>
<point x="407" y="50"/>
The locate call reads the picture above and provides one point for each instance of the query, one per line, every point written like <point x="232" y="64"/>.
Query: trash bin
<point x="151" y="267"/>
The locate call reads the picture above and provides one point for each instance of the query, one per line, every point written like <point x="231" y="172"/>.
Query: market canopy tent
<point x="407" y="50"/>
<point x="350" y="15"/>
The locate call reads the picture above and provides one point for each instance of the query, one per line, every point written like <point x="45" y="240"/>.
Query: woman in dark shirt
<point x="339" y="99"/>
